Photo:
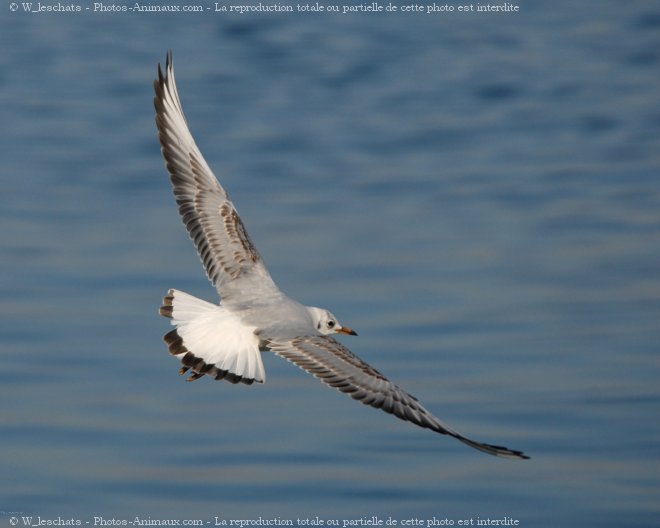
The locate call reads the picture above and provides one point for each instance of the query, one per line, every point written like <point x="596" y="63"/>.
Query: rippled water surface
<point x="478" y="196"/>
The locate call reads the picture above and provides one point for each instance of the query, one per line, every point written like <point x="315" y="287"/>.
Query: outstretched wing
<point x="230" y="259"/>
<point x="336" y="366"/>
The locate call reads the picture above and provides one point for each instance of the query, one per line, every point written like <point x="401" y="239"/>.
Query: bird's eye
<point x="331" y="324"/>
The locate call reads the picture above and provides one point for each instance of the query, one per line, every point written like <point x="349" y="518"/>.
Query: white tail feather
<point x="215" y="335"/>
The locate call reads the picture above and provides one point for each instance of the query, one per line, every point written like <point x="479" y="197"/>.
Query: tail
<point x="210" y="340"/>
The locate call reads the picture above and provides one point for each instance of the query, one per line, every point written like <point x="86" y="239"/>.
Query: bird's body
<point x="226" y="341"/>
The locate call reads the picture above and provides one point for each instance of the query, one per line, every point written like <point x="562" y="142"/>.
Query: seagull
<point x="225" y="340"/>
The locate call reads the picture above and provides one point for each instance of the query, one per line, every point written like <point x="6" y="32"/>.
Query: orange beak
<point x="346" y="330"/>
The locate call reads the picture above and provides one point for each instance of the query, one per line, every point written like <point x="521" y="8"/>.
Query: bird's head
<point x="326" y="323"/>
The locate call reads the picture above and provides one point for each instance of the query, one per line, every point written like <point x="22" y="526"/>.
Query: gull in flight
<point x="225" y="341"/>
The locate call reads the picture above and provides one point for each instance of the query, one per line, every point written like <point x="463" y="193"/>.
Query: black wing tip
<point x="169" y="64"/>
<point x="163" y="77"/>
<point x="509" y="453"/>
<point x="498" y="451"/>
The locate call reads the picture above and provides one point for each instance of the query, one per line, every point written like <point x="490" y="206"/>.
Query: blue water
<point x="477" y="195"/>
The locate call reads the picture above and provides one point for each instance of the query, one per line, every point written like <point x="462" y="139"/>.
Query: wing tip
<point x="169" y="66"/>
<point x="498" y="451"/>
<point x="164" y="78"/>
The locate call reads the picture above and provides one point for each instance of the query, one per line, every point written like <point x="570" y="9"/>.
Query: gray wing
<point x="230" y="259"/>
<point x="336" y="366"/>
